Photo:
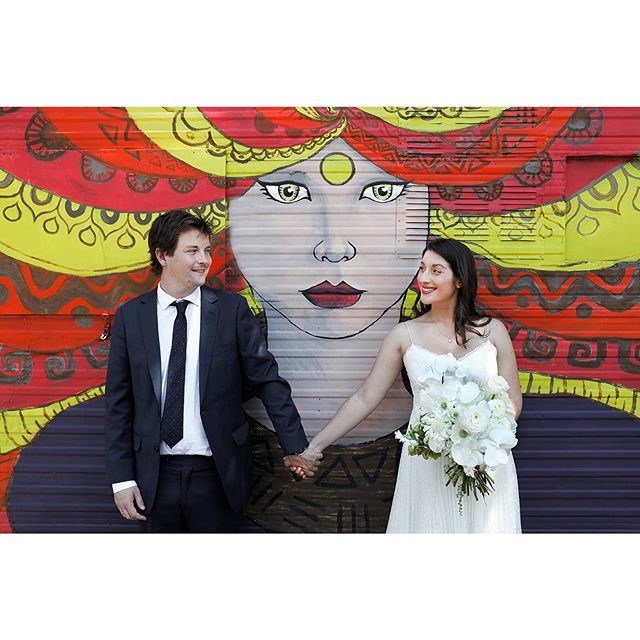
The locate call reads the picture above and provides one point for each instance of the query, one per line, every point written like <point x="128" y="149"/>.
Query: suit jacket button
<point x="156" y="447"/>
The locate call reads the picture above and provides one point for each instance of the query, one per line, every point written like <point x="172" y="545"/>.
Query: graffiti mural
<point x="319" y="216"/>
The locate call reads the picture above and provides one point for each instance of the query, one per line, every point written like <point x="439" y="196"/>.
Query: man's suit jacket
<point x="233" y="355"/>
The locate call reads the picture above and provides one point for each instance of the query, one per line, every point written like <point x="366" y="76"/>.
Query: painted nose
<point x="337" y="251"/>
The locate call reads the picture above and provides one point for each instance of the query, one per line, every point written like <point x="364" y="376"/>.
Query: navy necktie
<point x="171" y="425"/>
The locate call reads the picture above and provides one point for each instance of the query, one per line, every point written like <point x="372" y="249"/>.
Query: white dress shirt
<point x="194" y="440"/>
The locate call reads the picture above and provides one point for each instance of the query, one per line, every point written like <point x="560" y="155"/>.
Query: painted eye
<point x="286" y="192"/>
<point x="383" y="191"/>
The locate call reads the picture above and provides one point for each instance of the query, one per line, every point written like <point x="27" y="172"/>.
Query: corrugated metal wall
<point x="546" y="198"/>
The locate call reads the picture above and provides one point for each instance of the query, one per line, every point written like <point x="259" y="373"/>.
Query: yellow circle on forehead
<point x="337" y="168"/>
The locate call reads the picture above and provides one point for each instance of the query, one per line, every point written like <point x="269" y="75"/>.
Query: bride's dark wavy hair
<point x="467" y="318"/>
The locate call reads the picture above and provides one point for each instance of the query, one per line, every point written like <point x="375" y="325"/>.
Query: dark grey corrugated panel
<point x="578" y="469"/>
<point x="59" y="484"/>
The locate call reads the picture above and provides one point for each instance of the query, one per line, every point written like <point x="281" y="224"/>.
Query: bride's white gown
<point x="423" y="504"/>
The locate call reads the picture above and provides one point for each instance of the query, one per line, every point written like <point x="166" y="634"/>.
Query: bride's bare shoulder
<point x="399" y="336"/>
<point x="497" y="332"/>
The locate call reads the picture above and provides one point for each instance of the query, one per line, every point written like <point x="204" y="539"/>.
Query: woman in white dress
<point x="449" y="323"/>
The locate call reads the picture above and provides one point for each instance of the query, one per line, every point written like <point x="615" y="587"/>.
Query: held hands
<point x="126" y="501"/>
<point x="304" y="464"/>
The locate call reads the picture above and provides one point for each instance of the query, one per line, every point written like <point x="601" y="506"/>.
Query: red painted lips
<point x="330" y="296"/>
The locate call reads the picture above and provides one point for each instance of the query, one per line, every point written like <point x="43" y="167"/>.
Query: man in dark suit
<point x="177" y="440"/>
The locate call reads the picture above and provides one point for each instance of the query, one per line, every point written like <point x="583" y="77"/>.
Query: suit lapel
<point x="208" y="327"/>
<point x="148" y="314"/>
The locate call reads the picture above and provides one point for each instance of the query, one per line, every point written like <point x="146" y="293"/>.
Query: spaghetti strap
<point x="406" y="324"/>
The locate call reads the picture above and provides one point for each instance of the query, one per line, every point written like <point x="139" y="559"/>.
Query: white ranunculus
<point x="466" y="453"/>
<point x="499" y="422"/>
<point x="497" y="407"/>
<point x="475" y="418"/>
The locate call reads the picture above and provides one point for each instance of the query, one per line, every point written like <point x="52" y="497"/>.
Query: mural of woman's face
<point x="317" y="241"/>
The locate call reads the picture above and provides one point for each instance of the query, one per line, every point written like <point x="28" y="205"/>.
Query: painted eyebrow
<point x="437" y="264"/>
<point x="284" y="174"/>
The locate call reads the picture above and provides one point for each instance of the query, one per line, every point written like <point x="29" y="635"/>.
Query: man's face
<point x="187" y="268"/>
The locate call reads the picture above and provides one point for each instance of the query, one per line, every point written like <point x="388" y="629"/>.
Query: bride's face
<point x="318" y="241"/>
<point x="436" y="279"/>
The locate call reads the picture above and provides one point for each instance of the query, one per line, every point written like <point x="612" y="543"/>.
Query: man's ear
<point x="161" y="257"/>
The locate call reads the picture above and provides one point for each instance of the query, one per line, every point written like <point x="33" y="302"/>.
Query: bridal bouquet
<point x="466" y="417"/>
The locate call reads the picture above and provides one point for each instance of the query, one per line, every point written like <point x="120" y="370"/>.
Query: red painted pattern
<point x="488" y="160"/>
<point x="31" y="379"/>
<point x="111" y="135"/>
<point x="46" y="312"/>
<point x="64" y="176"/>
<point x="510" y="296"/>
<point x="611" y="361"/>
<point x="267" y="127"/>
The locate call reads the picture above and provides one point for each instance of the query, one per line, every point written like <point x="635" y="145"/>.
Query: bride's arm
<point x="507" y="365"/>
<point x="356" y="408"/>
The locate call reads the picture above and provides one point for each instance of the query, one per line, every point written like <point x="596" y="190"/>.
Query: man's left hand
<point x="304" y="464"/>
